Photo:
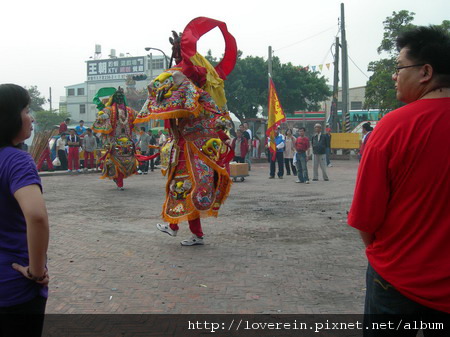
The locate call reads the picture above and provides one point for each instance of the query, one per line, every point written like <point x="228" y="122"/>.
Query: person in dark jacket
<point x="240" y="147"/>
<point x="319" y="145"/>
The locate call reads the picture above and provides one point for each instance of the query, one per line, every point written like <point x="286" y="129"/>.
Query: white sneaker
<point x="166" y="229"/>
<point x="193" y="241"/>
<point x="329" y="165"/>
<point x="139" y="171"/>
<point x="79" y="171"/>
<point x="69" y="170"/>
<point x="307" y="182"/>
<point x="86" y="169"/>
<point x="120" y="188"/>
<point x="298" y="181"/>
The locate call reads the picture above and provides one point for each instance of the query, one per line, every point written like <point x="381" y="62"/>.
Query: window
<point x="339" y="106"/>
<point x="82" y="108"/>
<point x="158" y="64"/>
<point x="70" y="92"/>
<point x="356" y="105"/>
<point x="80" y="91"/>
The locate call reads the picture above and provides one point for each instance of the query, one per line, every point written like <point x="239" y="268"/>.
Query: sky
<point x="47" y="42"/>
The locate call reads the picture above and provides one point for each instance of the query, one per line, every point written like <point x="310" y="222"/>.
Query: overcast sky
<point x="47" y="42"/>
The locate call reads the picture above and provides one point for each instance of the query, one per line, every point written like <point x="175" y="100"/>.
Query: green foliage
<point x="247" y="87"/>
<point x="37" y="101"/>
<point x="393" y="26"/>
<point x="47" y="120"/>
<point x="299" y="89"/>
<point x="380" y="89"/>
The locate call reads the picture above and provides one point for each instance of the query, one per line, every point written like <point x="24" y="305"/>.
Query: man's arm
<point x="367" y="238"/>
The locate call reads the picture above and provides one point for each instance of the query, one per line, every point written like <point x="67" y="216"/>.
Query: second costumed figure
<point x="190" y="98"/>
<point x="115" y="123"/>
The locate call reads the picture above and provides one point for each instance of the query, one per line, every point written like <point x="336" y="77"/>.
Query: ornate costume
<point x="195" y="155"/>
<point x="115" y="123"/>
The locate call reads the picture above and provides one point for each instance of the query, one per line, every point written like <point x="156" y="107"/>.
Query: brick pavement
<point x="276" y="247"/>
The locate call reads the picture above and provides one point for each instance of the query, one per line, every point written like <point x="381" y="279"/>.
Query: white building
<point x="111" y="72"/>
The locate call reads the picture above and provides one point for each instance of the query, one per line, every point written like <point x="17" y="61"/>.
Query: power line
<point x="293" y="44"/>
<point x="362" y="72"/>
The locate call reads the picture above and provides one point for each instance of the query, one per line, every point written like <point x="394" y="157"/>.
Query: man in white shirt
<point x="61" y="151"/>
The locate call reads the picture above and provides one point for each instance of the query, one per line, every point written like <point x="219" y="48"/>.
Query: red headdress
<point x="191" y="34"/>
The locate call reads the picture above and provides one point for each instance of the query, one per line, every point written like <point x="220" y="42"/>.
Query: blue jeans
<point x="385" y="305"/>
<point x="327" y="155"/>
<point x="302" y="169"/>
<point x="248" y="160"/>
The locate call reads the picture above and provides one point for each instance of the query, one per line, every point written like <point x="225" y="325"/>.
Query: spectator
<point x="402" y="193"/>
<point x="61" y="151"/>
<point x="162" y="138"/>
<point x="328" y="148"/>
<point x="240" y="147"/>
<point x="280" y="145"/>
<point x="289" y="153"/>
<point x="63" y="126"/>
<point x="74" y="142"/>
<point x="255" y="146"/>
<point x="45" y="157"/>
<point x="302" y="147"/>
<point x="366" y="131"/>
<point x="319" y="145"/>
<point x="151" y="150"/>
<point x="80" y="129"/>
<point x="24" y="229"/>
<point x="247" y="134"/>
<point x="89" y="146"/>
<point x="144" y="142"/>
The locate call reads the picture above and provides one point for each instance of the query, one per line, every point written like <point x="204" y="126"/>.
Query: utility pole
<point x="334" y="113"/>
<point x="269" y="62"/>
<point x="50" y="98"/>
<point x="345" y="112"/>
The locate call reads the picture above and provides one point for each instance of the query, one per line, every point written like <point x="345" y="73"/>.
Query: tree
<point x="37" y="101"/>
<point x="47" y="120"/>
<point x="380" y="89"/>
<point x="247" y="87"/>
<point x="393" y="26"/>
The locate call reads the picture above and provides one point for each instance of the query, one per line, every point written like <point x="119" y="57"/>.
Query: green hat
<point x="102" y="93"/>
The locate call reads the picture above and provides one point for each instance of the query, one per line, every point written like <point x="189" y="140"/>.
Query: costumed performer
<point x="191" y="100"/>
<point x="115" y="123"/>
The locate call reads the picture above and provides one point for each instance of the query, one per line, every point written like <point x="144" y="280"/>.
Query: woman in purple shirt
<point x="24" y="230"/>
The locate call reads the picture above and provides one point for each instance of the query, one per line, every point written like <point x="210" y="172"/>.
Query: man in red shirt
<point x="63" y="126"/>
<point x="302" y="147"/>
<point x="402" y="190"/>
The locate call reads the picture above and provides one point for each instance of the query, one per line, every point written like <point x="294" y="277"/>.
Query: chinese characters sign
<point x="112" y="69"/>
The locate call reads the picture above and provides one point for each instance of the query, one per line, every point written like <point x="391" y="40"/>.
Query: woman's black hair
<point x="367" y="127"/>
<point x="13" y="99"/>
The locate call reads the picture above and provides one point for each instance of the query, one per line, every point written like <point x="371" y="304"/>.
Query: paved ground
<point x="277" y="247"/>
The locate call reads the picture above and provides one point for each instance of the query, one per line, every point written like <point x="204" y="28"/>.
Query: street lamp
<point x="165" y="56"/>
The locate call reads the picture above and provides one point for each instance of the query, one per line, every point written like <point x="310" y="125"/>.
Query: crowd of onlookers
<point x="293" y="150"/>
<point x="79" y="149"/>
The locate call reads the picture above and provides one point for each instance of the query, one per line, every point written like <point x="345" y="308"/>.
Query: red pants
<point x="194" y="225"/>
<point x="89" y="160"/>
<point x="74" y="159"/>
<point x="119" y="180"/>
<point x="45" y="156"/>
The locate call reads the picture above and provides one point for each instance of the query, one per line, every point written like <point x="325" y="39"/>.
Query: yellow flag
<point x="276" y="116"/>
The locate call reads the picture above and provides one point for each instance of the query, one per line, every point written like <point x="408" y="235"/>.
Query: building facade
<point x="111" y="72"/>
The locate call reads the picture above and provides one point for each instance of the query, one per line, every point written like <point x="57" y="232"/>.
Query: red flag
<point x="276" y="116"/>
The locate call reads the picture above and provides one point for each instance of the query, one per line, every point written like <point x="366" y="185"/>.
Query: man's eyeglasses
<point x="397" y="70"/>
